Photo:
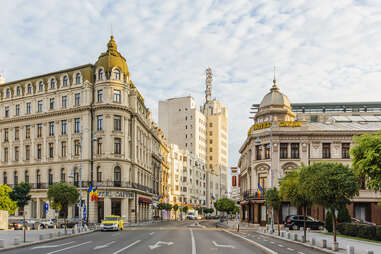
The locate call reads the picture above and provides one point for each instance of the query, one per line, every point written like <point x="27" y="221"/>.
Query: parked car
<point x="29" y="224"/>
<point x="361" y="221"/>
<point x="72" y="222"/>
<point x="112" y="222"/>
<point x="191" y="217"/>
<point x="48" y="223"/>
<point x="297" y="221"/>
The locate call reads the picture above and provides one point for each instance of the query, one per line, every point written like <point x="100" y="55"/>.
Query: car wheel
<point x="295" y="227"/>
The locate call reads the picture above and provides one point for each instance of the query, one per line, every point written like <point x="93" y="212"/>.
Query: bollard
<point x="238" y="228"/>
<point x="287" y="229"/>
<point x="59" y="234"/>
<point x="72" y="231"/>
<point x="335" y="246"/>
<point x="308" y="229"/>
<point x="351" y="250"/>
<point x="51" y="235"/>
<point x="282" y="234"/>
<point x="370" y="252"/>
<point x="2" y="243"/>
<point x="54" y="227"/>
<point x="41" y="237"/>
<point x="295" y="237"/>
<point x="16" y="241"/>
<point x="288" y="235"/>
<point x="324" y="243"/>
<point x="304" y="239"/>
<point x="313" y="241"/>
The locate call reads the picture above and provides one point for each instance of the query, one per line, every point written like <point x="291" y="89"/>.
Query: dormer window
<point x="100" y="74"/>
<point x="117" y="74"/>
<point x="29" y="88"/>
<point x="41" y="86"/>
<point x="8" y="93"/>
<point x="18" y="91"/>
<point x="64" y="81"/>
<point x="78" y="79"/>
<point x="52" y="83"/>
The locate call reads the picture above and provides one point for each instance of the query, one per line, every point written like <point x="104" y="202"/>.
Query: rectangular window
<point x="267" y="151"/>
<point x="99" y="146"/>
<point x="51" y="103"/>
<point x="6" y="111"/>
<point x="117" y="146"/>
<point x="117" y="96"/>
<point x="16" y="153"/>
<point x="39" y="151"/>
<point x="27" y="131"/>
<point x="77" y="147"/>
<point x="17" y="132"/>
<point x="294" y="150"/>
<point x="27" y="152"/>
<point x="28" y="108"/>
<point x="63" y="149"/>
<point x="64" y="127"/>
<point x="6" y="135"/>
<point x="64" y="101"/>
<point x="77" y="99"/>
<point x="39" y="130"/>
<point x="283" y="150"/>
<point x="345" y="150"/>
<point x="100" y="95"/>
<point x="326" y="150"/>
<point x="99" y="122"/>
<point x="51" y="150"/>
<point x="51" y="128"/>
<point x="39" y="106"/>
<point x="77" y="125"/>
<point x="117" y="123"/>
<point x="17" y="110"/>
<point x="6" y="154"/>
<point x="258" y="152"/>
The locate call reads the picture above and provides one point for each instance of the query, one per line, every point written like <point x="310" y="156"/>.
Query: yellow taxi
<point x="113" y="222"/>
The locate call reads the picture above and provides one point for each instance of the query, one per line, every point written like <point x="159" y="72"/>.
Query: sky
<point x="324" y="51"/>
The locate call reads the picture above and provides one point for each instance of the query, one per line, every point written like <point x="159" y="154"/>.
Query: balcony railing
<point x="253" y="194"/>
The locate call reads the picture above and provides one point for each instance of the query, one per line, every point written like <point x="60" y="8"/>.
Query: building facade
<point x="280" y="140"/>
<point x="84" y="125"/>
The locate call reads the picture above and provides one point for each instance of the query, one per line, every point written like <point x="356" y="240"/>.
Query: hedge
<point x="360" y="230"/>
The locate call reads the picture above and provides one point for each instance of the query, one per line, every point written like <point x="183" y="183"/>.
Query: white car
<point x="48" y="223"/>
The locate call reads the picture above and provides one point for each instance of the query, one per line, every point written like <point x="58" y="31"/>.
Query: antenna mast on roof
<point x="208" y="83"/>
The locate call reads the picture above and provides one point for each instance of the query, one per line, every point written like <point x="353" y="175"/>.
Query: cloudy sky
<point x="324" y="50"/>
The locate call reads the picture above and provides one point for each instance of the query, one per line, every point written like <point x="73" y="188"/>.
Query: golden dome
<point x="112" y="58"/>
<point x="275" y="98"/>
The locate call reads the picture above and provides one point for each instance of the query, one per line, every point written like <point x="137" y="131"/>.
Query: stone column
<point x="93" y="214"/>
<point x="107" y="207"/>
<point x="70" y="212"/>
<point x="124" y="208"/>
<point x="38" y="206"/>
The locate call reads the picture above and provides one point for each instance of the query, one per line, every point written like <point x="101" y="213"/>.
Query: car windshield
<point x="111" y="219"/>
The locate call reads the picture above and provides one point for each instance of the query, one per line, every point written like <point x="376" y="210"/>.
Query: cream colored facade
<point x="299" y="139"/>
<point x="45" y="120"/>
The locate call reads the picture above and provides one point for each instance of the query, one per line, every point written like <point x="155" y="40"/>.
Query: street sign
<point x="84" y="212"/>
<point x="46" y="208"/>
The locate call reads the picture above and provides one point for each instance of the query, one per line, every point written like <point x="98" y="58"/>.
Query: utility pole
<point x="80" y="188"/>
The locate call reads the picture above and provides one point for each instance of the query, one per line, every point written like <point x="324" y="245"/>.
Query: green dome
<point x="112" y="58"/>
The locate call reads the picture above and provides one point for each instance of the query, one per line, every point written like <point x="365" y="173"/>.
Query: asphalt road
<point x="163" y="238"/>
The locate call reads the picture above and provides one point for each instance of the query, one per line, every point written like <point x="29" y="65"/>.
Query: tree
<point x="160" y="207"/>
<point x="273" y="200"/>
<point x="290" y="190"/>
<point x="366" y="158"/>
<point x="6" y="203"/>
<point x="185" y="209"/>
<point x="61" y="195"/>
<point x="20" y="194"/>
<point x="175" y="208"/>
<point x="225" y="205"/>
<point x="331" y="185"/>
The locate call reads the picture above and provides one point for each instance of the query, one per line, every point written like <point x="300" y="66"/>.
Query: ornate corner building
<point x="285" y="135"/>
<point x="84" y="125"/>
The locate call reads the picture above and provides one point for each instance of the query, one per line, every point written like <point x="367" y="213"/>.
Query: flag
<point x="91" y="192"/>
<point x="95" y="194"/>
<point x="260" y="190"/>
<point x="213" y="198"/>
<point x="160" y="198"/>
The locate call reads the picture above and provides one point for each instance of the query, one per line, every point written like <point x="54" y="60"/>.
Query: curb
<point x="45" y="241"/>
<point x="260" y="246"/>
<point x="305" y="244"/>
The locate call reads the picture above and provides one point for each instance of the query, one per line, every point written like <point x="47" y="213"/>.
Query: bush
<point x="328" y="221"/>
<point x="343" y="215"/>
<point x="360" y="230"/>
<point x="378" y="233"/>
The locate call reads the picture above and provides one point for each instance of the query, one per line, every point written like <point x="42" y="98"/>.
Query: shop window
<point x="295" y="151"/>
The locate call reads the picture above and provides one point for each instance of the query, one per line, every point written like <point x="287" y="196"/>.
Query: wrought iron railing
<point x="253" y="194"/>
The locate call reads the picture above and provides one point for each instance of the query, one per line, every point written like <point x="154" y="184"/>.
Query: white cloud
<point x="325" y="50"/>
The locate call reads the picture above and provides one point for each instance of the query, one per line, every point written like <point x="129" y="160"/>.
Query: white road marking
<point x="159" y="244"/>
<point x="104" y="246"/>
<point x="223" y="246"/>
<point x="280" y="245"/>
<point x="300" y="252"/>
<point x="151" y="233"/>
<point x="272" y="242"/>
<point x="71" y="247"/>
<point x="264" y="240"/>
<point x="128" y="246"/>
<point x="51" y="246"/>
<point x="254" y="243"/>
<point x="193" y="242"/>
<point x="290" y="249"/>
<point x="115" y="234"/>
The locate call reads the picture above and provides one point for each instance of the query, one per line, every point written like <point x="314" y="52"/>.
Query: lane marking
<point x="71" y="247"/>
<point x="193" y="243"/>
<point x="223" y="246"/>
<point x="272" y="242"/>
<point x="151" y="233"/>
<point x="300" y="252"/>
<point x="280" y="245"/>
<point x="159" y="244"/>
<point x="51" y="246"/>
<point x="104" y="246"/>
<point x="264" y="248"/>
<point x="128" y="246"/>
<point x="290" y="249"/>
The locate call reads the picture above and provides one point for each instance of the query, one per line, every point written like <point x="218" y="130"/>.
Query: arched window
<point x="38" y="179"/>
<point x="64" y="81"/>
<point x="18" y="92"/>
<point x="5" y="178"/>
<point x="15" y="178"/>
<point x="99" y="174"/>
<point x="41" y="86"/>
<point x="76" y="177"/>
<point x="52" y="83"/>
<point x="50" y="177"/>
<point x="8" y="93"/>
<point x="63" y="176"/>
<point x="117" y="74"/>
<point x="29" y="88"/>
<point x="100" y="74"/>
<point x="78" y="78"/>
<point x="117" y="176"/>
<point x="26" y="178"/>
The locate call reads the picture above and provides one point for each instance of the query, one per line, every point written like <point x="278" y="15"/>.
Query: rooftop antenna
<point x="208" y="83"/>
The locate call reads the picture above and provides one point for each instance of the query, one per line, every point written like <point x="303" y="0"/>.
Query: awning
<point x="145" y="200"/>
<point x="244" y="203"/>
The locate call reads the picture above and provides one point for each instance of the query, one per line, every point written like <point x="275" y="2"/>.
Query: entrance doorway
<point x="115" y="207"/>
<point x="100" y="211"/>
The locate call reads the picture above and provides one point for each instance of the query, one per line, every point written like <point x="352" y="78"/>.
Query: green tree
<point x="290" y="190"/>
<point x="331" y="185"/>
<point x="274" y="201"/>
<point x="343" y="215"/>
<point x="20" y="194"/>
<point x="185" y="209"/>
<point x="6" y="203"/>
<point x="175" y="208"/>
<point x="366" y="158"/>
<point x="225" y="205"/>
<point x="61" y="195"/>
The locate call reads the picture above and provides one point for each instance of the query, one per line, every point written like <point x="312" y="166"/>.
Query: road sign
<point x="46" y="208"/>
<point x="84" y="212"/>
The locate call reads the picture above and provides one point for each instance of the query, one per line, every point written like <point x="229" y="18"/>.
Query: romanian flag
<point x="95" y="194"/>
<point x="213" y="198"/>
<point x="91" y="190"/>
<point x="260" y="191"/>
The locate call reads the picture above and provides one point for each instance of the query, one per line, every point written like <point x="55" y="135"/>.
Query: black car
<point x="297" y="221"/>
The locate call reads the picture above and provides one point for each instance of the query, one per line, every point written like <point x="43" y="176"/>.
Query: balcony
<point x="253" y="194"/>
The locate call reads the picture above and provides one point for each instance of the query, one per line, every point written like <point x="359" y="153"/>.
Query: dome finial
<point x="111" y="45"/>
<point x="274" y="87"/>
